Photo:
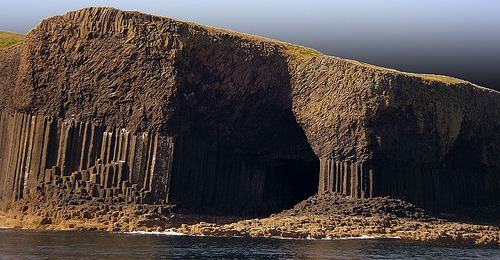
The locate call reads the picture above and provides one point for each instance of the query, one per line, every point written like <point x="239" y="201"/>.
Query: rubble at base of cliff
<point x="327" y="216"/>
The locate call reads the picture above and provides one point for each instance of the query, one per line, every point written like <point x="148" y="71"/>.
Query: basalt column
<point x="348" y="178"/>
<point x="24" y="143"/>
<point x="443" y="186"/>
<point x="37" y="152"/>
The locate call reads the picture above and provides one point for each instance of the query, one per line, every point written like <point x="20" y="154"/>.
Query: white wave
<point x="173" y="233"/>
<point x="337" y="238"/>
<point x="362" y="237"/>
<point x="164" y="233"/>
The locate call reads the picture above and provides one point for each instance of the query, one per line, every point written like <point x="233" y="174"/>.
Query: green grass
<point x="429" y="77"/>
<point x="8" y="39"/>
<point x="301" y="51"/>
<point x="440" y="78"/>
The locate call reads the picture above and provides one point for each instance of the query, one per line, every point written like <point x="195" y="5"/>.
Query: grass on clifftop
<point x="440" y="78"/>
<point x="8" y="39"/>
<point x="301" y="51"/>
<point x="424" y="76"/>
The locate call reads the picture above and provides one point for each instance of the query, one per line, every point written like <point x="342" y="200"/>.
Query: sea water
<point x="40" y="244"/>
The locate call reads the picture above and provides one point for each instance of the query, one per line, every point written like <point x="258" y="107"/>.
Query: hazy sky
<point x="457" y="37"/>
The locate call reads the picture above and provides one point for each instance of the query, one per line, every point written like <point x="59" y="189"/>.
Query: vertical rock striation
<point x="352" y="179"/>
<point x="38" y="151"/>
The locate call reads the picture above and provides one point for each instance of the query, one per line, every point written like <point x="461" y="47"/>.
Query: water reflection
<point x="92" y="245"/>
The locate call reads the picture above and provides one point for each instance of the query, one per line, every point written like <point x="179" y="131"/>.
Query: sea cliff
<point x="117" y="110"/>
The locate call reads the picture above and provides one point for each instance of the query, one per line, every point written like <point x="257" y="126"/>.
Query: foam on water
<point x="362" y="237"/>
<point x="173" y="233"/>
<point x="164" y="233"/>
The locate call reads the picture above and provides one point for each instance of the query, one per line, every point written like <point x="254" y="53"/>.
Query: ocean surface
<point x="36" y="244"/>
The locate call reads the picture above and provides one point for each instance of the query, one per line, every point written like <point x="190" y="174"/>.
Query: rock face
<point x="380" y="132"/>
<point x="154" y="110"/>
<point x="39" y="151"/>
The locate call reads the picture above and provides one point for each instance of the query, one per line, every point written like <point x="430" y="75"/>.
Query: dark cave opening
<point x="291" y="182"/>
<point x="209" y="178"/>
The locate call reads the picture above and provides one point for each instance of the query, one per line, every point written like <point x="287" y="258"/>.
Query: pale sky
<point x="457" y="38"/>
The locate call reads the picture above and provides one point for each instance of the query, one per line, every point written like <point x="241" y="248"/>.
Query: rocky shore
<point x="329" y="216"/>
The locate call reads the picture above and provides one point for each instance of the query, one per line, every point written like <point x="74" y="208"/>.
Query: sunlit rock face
<point x="145" y="109"/>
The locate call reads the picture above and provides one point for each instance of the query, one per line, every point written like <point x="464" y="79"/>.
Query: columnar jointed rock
<point x="38" y="151"/>
<point x="233" y="121"/>
<point x="353" y="179"/>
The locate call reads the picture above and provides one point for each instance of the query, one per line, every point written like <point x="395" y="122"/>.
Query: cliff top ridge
<point x="112" y="20"/>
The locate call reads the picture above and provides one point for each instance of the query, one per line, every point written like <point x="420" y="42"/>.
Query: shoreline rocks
<point x="311" y="219"/>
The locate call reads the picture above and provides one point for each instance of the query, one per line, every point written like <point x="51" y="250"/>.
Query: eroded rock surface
<point x="252" y="121"/>
<point x="327" y="216"/>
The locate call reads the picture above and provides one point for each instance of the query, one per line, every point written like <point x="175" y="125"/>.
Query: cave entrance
<point x="210" y="178"/>
<point x="290" y="182"/>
